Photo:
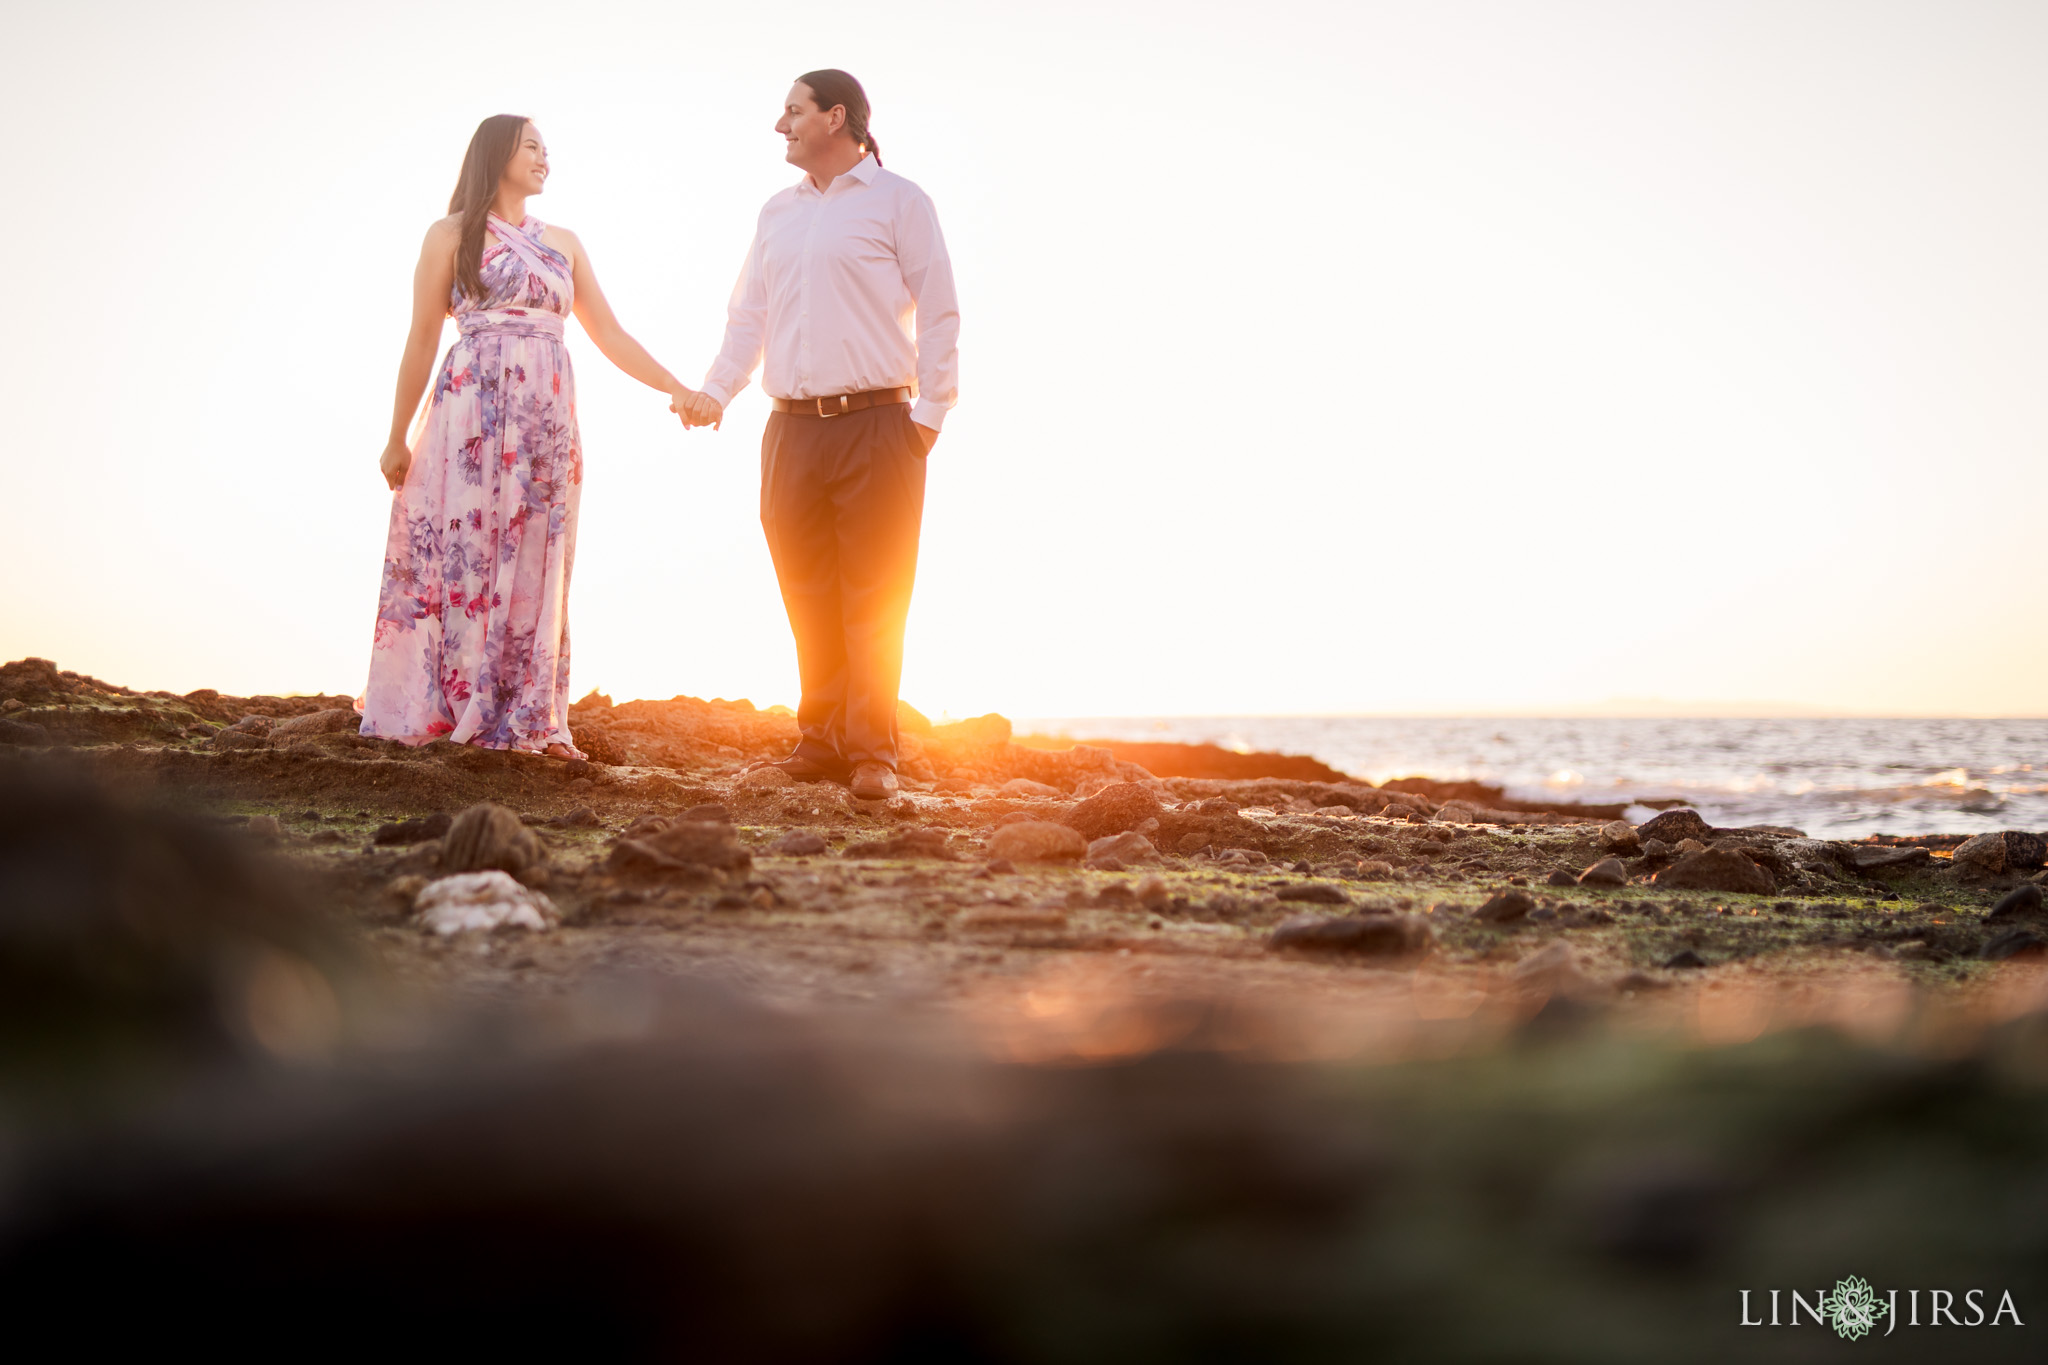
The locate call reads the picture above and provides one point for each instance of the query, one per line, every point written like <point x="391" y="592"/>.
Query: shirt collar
<point x="863" y="171"/>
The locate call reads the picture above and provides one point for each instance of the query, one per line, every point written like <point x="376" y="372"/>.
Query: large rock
<point x="2021" y="900"/>
<point x="708" y="843"/>
<point x="1771" y="855"/>
<point x="1360" y="935"/>
<point x="35" y="681"/>
<point x="1506" y="907"/>
<point x="335" y="722"/>
<point x="1606" y="872"/>
<point x="1113" y="810"/>
<point x="1037" y="841"/>
<point x="1620" y="836"/>
<point x="1675" y="825"/>
<point x="1992" y="855"/>
<point x="1718" y="869"/>
<point x="1873" y="858"/>
<point x="2023" y="851"/>
<point x="489" y="836"/>
<point x="677" y="849"/>
<point x="1983" y="856"/>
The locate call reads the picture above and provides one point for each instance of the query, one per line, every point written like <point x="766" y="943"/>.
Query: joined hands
<point x="696" y="409"/>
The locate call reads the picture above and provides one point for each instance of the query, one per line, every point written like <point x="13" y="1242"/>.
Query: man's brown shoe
<point x="804" y="770"/>
<point x="873" y="781"/>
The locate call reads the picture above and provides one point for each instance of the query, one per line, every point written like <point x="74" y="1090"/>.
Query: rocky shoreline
<point x="1004" y="859"/>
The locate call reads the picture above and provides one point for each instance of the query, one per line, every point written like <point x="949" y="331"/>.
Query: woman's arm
<point x="594" y="311"/>
<point x="432" y="278"/>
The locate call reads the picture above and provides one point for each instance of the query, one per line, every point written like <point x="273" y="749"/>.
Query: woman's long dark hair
<point x="832" y="86"/>
<point x="483" y="166"/>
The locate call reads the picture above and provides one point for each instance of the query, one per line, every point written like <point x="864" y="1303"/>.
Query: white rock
<point x="481" y="901"/>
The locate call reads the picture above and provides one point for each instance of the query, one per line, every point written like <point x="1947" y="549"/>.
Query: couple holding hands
<point x="846" y="294"/>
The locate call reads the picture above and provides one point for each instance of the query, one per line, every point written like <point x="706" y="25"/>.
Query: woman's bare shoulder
<point x="443" y="240"/>
<point x="562" y="240"/>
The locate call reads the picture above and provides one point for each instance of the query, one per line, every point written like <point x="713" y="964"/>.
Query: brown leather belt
<point x="840" y="403"/>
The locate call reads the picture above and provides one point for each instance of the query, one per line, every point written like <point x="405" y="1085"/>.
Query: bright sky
<point x="1316" y="358"/>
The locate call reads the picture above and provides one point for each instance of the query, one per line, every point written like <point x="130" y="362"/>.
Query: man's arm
<point x="746" y="326"/>
<point x="928" y="274"/>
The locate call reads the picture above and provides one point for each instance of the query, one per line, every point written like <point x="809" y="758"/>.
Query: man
<point x="848" y="291"/>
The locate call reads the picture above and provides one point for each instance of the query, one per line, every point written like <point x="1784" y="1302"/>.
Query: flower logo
<point x="1853" y="1308"/>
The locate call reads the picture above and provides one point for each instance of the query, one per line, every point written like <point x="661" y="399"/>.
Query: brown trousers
<point x="842" y="501"/>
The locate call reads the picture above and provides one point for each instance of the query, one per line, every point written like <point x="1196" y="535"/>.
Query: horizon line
<point x="1617" y="708"/>
<point x="1722" y="712"/>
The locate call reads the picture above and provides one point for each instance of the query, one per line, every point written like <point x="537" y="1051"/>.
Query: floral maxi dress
<point x="472" y="640"/>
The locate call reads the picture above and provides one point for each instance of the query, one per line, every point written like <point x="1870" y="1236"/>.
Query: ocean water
<point x="1833" y="778"/>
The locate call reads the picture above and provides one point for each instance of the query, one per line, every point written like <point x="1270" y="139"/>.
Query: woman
<point x="472" y="637"/>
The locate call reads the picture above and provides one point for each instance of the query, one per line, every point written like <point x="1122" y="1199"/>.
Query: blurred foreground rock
<point x="221" y="1126"/>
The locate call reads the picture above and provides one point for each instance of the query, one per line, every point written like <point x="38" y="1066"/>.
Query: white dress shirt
<point x="846" y="291"/>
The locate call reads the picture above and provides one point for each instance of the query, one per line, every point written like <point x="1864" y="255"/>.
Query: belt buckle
<point x="821" y="406"/>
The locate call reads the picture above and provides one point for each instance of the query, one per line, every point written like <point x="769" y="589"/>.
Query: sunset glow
<point x="1382" y="358"/>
